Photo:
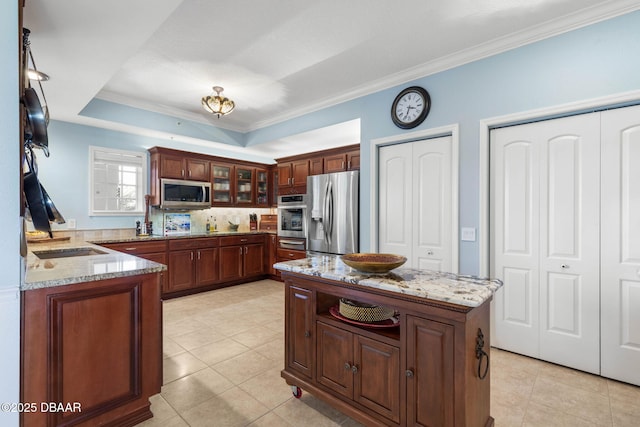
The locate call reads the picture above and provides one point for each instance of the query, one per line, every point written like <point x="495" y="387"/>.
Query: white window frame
<point x="137" y="159"/>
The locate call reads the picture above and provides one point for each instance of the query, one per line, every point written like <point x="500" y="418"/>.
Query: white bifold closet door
<point x="415" y="203"/>
<point x="545" y="216"/>
<point x="620" y="280"/>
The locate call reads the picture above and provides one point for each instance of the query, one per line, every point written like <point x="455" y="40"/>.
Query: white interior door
<point x="570" y="241"/>
<point x="620" y="283"/>
<point x="545" y="245"/>
<point x="514" y="243"/>
<point x="432" y="219"/>
<point x="415" y="202"/>
<point x="395" y="204"/>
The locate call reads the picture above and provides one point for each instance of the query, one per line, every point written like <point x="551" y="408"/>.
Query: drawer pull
<point x="244" y="240"/>
<point x="130" y="249"/>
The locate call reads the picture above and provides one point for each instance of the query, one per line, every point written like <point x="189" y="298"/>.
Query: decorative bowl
<point x="373" y="263"/>
<point x="233" y="227"/>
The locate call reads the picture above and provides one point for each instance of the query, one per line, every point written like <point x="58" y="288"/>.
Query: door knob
<point x="564" y="266"/>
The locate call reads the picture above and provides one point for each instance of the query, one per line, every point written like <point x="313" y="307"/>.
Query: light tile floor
<point x="223" y="352"/>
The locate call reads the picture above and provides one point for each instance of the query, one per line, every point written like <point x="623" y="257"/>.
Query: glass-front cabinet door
<point x="244" y="186"/>
<point x="262" y="187"/>
<point x="222" y="188"/>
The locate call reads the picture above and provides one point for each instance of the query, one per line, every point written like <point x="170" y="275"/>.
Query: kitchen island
<point x="427" y="365"/>
<point x="91" y="351"/>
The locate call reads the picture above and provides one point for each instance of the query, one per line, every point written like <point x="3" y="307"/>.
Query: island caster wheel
<point x="297" y="391"/>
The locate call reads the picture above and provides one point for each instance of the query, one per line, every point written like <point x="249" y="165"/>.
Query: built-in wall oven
<point x="292" y="216"/>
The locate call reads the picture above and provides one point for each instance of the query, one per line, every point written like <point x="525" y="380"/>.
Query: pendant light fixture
<point x="218" y="105"/>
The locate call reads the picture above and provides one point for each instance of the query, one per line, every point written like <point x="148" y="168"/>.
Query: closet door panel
<point x="395" y="202"/>
<point x="569" y="241"/>
<point x="432" y="221"/>
<point x="620" y="283"/>
<point x="514" y="219"/>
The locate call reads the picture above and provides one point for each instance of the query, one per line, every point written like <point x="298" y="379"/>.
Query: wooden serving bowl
<point x="373" y="263"/>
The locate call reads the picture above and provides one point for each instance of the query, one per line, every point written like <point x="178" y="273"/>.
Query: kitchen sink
<point x="66" y="253"/>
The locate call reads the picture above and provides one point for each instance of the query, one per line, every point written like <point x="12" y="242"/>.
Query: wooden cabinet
<point x="199" y="263"/>
<point x="293" y="171"/>
<point x="192" y="263"/>
<point x="96" y="343"/>
<point x="341" y="162"/>
<point x="262" y="188"/>
<point x="272" y="247"/>
<point x="430" y="372"/>
<point x="299" y="330"/>
<point x="236" y="185"/>
<point x="179" y="165"/>
<point x="316" y="165"/>
<point x="233" y="182"/>
<point x="242" y="257"/>
<point x="292" y="177"/>
<point x="423" y="372"/>
<point x="360" y="368"/>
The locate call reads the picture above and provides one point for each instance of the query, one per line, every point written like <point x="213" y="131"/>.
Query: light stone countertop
<point x="462" y="290"/>
<point x="46" y="273"/>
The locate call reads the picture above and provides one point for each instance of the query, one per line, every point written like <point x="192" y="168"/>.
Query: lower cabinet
<point x="362" y="369"/>
<point x="192" y="263"/>
<point x="95" y="348"/>
<point x="242" y="257"/>
<point x="423" y="372"/>
<point x="195" y="264"/>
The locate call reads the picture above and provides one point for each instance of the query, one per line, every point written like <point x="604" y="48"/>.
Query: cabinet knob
<point x="564" y="266"/>
<point x="347" y="366"/>
<point x="354" y="369"/>
<point x="307" y="334"/>
<point x="429" y="252"/>
<point x="408" y="373"/>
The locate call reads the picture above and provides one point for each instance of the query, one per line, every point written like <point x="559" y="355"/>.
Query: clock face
<point x="410" y="107"/>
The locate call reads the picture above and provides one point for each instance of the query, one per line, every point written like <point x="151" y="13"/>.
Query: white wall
<point x="10" y="260"/>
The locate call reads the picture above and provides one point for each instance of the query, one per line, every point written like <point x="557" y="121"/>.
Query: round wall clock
<point x="410" y="107"/>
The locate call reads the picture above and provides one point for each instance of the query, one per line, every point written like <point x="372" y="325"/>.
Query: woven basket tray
<point x="364" y="312"/>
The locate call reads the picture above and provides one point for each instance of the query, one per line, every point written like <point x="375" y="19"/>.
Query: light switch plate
<point x="468" y="234"/>
<point x="71" y="223"/>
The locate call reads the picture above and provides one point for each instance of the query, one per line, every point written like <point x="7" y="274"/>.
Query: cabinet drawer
<point x="241" y="240"/>
<point x="135" y="248"/>
<point x="268" y="226"/>
<point x="290" y="254"/>
<point x="185" y="244"/>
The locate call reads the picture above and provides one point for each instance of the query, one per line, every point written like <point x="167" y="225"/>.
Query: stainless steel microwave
<point x="183" y="194"/>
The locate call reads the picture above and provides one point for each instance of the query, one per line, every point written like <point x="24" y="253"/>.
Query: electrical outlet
<point x="468" y="234"/>
<point x="71" y="223"/>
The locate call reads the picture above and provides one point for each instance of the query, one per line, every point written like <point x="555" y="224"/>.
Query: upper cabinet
<point x="180" y="167"/>
<point x="340" y="162"/>
<point x="292" y="176"/>
<point x="293" y="171"/>
<point x="233" y="183"/>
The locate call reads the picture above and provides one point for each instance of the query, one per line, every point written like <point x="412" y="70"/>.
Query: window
<point x="117" y="181"/>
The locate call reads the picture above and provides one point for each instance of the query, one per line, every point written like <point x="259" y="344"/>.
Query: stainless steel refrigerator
<point x="332" y="214"/>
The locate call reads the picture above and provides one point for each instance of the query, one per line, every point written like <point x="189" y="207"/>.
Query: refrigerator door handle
<point x="329" y="227"/>
<point x="325" y="212"/>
